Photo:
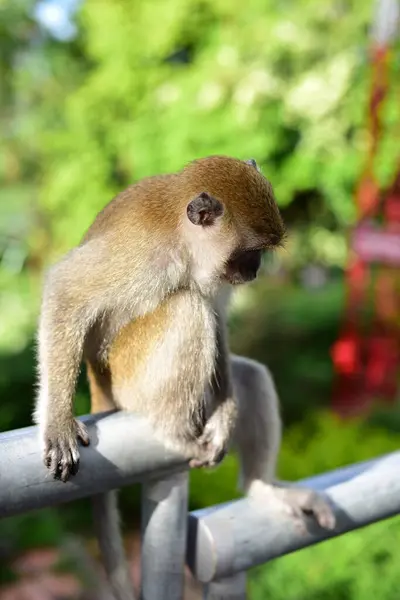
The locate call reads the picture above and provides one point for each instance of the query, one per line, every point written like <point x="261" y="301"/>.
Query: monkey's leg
<point x="257" y="438"/>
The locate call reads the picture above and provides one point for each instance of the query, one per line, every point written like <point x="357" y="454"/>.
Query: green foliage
<point x="147" y="86"/>
<point x="365" y="562"/>
<point x="361" y="565"/>
<point x="31" y="530"/>
<point x="216" y="486"/>
<point x="323" y="442"/>
<point x="295" y="102"/>
<point x="291" y="330"/>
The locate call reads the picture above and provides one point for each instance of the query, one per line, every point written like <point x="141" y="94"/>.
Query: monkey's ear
<point x="204" y="210"/>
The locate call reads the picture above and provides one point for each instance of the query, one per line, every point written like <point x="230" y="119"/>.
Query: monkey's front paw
<point x="61" y="455"/>
<point x="211" y="448"/>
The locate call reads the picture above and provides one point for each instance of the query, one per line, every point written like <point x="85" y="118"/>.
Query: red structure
<point x="366" y="356"/>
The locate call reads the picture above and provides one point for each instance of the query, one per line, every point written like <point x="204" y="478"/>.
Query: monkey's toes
<point x="207" y="455"/>
<point x="324" y="515"/>
<point x="196" y="463"/>
<point x="313" y="504"/>
<point x="321" y="510"/>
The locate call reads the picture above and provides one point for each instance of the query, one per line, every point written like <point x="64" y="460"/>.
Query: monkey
<point x="183" y="231"/>
<point x="142" y="291"/>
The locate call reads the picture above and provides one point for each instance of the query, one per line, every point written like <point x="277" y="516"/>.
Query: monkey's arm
<point x="91" y="281"/>
<point x="66" y="315"/>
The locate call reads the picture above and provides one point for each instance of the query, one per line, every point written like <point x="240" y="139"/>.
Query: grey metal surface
<point x="236" y="536"/>
<point x="164" y="535"/>
<point x="231" y="588"/>
<point x="123" y="450"/>
<point x="224" y="539"/>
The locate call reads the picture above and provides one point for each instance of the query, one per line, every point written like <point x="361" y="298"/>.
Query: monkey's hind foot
<point x="301" y="501"/>
<point x="61" y="455"/>
<point x="298" y="502"/>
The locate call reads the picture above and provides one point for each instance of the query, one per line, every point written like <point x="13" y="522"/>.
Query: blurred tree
<point x="173" y="81"/>
<point x="35" y="72"/>
<point x="146" y="86"/>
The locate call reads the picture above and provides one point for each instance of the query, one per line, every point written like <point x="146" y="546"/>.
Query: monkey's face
<point x="243" y="266"/>
<point x="231" y="219"/>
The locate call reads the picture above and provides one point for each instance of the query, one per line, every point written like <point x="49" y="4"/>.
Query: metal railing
<point x="218" y="543"/>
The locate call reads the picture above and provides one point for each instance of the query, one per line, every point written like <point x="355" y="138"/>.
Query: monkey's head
<point x="232" y="216"/>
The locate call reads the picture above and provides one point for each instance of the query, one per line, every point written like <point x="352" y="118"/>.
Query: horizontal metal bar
<point x="123" y="450"/>
<point x="233" y="537"/>
<point x="223" y="540"/>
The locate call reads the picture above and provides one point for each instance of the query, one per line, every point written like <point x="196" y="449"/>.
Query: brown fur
<point x="152" y="205"/>
<point x="99" y="378"/>
<point x="144" y="333"/>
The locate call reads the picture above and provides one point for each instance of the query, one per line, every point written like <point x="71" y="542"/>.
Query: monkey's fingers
<point x="69" y="461"/>
<point x="62" y="456"/>
<point x="52" y="460"/>
<point x="82" y="433"/>
<point x="66" y="468"/>
<point x="208" y="455"/>
<point x="211" y="452"/>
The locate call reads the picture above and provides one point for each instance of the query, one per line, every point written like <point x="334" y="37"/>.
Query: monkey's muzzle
<point x="243" y="267"/>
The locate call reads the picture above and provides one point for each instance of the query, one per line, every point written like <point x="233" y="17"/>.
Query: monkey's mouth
<point x="235" y="280"/>
<point x="238" y="277"/>
<point x="243" y="268"/>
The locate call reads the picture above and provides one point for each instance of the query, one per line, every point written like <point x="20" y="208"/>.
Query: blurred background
<point x="97" y="94"/>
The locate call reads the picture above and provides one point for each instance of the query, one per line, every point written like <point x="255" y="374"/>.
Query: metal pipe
<point x="223" y="540"/>
<point x="123" y="450"/>
<point x="164" y="534"/>
<point x="233" y="537"/>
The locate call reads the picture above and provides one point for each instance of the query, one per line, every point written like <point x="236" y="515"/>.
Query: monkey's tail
<point x="108" y="533"/>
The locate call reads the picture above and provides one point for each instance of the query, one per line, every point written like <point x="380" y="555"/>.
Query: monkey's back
<point x="143" y="206"/>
